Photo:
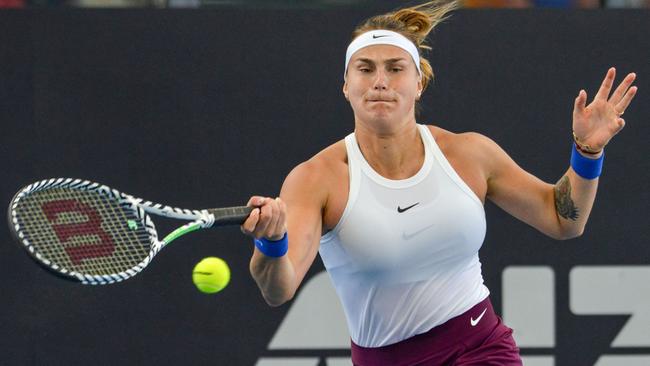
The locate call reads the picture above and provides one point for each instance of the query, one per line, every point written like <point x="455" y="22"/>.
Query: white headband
<point x="382" y="36"/>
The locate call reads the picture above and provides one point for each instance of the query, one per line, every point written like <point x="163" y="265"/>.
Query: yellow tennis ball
<point x="211" y="275"/>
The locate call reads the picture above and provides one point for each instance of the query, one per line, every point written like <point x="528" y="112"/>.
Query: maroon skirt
<point x="476" y="337"/>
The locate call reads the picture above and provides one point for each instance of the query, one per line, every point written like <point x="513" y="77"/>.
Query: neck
<point x="396" y="152"/>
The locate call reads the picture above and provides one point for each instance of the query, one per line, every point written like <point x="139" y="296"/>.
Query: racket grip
<point x="230" y="215"/>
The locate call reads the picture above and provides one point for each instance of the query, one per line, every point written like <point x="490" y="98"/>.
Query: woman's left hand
<point x="595" y="124"/>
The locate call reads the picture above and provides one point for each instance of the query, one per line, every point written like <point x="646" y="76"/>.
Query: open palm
<point x="595" y="124"/>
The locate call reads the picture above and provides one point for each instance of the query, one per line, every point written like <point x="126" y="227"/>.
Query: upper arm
<point x="516" y="191"/>
<point x="305" y="195"/>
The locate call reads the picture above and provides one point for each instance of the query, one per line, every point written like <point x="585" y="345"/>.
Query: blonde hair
<point x="414" y="23"/>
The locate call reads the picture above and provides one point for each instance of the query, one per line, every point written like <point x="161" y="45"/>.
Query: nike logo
<point x="473" y="321"/>
<point x="400" y="210"/>
<point x="411" y="235"/>
<point x="375" y="36"/>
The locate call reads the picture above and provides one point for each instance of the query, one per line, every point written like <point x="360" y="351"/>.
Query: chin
<point x="379" y="116"/>
<point x="381" y="109"/>
<point x="381" y="123"/>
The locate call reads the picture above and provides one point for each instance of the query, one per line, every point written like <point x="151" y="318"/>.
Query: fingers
<point x="255" y="201"/>
<point x="276" y="220"/>
<point x="606" y="86"/>
<point x="266" y="215"/>
<point x="626" y="100"/>
<point x="580" y="102"/>
<point x="267" y="220"/>
<point x="282" y="220"/>
<point x="623" y="88"/>
<point x="617" y="126"/>
<point x="248" y="227"/>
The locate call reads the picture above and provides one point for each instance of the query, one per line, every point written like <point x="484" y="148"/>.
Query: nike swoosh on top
<point x="473" y="321"/>
<point x="400" y="210"/>
<point x="416" y="233"/>
<point x="375" y="36"/>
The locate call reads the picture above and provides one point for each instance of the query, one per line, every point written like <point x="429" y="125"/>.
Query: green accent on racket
<point x="185" y="229"/>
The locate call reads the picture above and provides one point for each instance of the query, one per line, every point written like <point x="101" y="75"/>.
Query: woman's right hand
<point x="267" y="220"/>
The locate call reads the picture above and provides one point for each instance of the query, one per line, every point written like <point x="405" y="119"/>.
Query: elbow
<point x="276" y="301"/>
<point x="276" y="281"/>
<point x="274" y="304"/>
<point x="564" y="229"/>
<point x="574" y="234"/>
<point x="569" y="234"/>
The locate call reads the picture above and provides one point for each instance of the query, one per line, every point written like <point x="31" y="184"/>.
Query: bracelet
<point x="273" y="248"/>
<point x="585" y="167"/>
<point x="585" y="148"/>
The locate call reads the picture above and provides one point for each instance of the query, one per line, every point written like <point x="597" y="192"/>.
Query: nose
<point x="381" y="80"/>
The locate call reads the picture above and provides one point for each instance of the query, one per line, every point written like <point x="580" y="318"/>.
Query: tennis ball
<point x="211" y="275"/>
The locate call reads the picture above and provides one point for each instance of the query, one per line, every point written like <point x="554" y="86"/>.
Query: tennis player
<point x="396" y="208"/>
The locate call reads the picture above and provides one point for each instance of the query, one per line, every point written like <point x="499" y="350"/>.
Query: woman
<point x="396" y="208"/>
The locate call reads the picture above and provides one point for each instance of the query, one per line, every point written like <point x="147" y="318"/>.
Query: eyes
<point x="392" y="69"/>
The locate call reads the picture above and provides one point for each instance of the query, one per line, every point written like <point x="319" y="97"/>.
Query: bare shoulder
<point x="322" y="165"/>
<point x="331" y="158"/>
<point x="476" y="149"/>
<point x="465" y="141"/>
<point x="317" y="175"/>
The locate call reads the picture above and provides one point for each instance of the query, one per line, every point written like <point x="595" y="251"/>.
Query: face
<point x="382" y="85"/>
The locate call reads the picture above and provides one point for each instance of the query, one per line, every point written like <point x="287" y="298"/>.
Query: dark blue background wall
<point x="205" y="108"/>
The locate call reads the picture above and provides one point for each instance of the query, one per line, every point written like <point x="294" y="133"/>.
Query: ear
<point x="345" y="90"/>
<point x="420" y="87"/>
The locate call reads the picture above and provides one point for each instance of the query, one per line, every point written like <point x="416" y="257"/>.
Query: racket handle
<point x="230" y="215"/>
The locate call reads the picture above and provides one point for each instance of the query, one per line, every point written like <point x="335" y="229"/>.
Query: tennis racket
<point x="96" y="235"/>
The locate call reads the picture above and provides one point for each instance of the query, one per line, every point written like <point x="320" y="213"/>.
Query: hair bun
<point x="414" y="23"/>
<point x="417" y="23"/>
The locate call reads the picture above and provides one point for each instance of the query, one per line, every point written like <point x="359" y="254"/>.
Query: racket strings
<point x="82" y="231"/>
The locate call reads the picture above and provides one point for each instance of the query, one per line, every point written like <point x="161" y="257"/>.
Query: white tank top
<point x="403" y="258"/>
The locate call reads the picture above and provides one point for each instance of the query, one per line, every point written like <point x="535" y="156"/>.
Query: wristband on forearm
<point x="273" y="248"/>
<point x="585" y="167"/>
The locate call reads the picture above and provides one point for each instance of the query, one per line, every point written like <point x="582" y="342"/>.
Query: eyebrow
<point x="389" y="61"/>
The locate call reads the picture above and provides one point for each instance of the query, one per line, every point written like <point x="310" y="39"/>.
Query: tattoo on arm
<point x="563" y="203"/>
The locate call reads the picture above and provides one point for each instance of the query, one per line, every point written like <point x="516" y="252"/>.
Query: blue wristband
<point x="585" y="167"/>
<point x="273" y="248"/>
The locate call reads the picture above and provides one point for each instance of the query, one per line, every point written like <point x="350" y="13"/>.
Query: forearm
<point x="574" y="198"/>
<point x="275" y="277"/>
<point x="277" y="267"/>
